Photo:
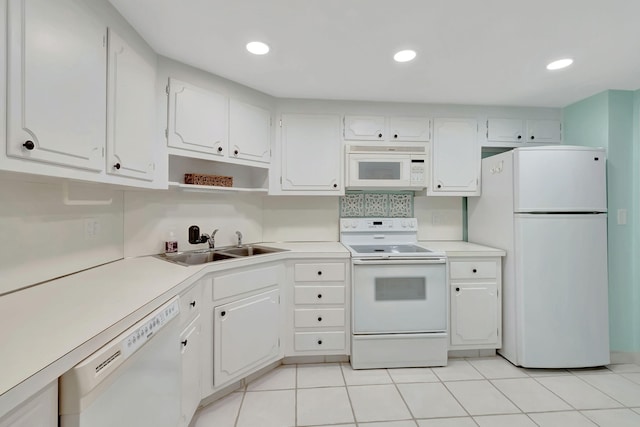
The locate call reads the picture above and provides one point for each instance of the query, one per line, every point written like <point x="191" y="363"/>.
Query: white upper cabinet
<point x="544" y="131"/>
<point x="380" y="128"/>
<point x="131" y="119"/>
<point x="524" y="131"/>
<point x="198" y="119"/>
<point x="364" y="128"/>
<point x="57" y="66"/>
<point x="505" y="130"/>
<point x="249" y="132"/>
<point x="455" y="158"/>
<point x="409" y="129"/>
<point x="312" y="156"/>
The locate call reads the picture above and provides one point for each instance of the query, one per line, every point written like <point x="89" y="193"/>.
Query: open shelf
<point x="214" y="189"/>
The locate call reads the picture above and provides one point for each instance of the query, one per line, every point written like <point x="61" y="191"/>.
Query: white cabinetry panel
<point x="198" y="119"/>
<point x="190" y="341"/>
<point x="246" y="335"/>
<point x="505" y="130"/>
<point x="456" y="158"/>
<point x="56" y="83"/>
<point x="544" y="131"/>
<point x="249" y="132"/>
<point x="474" y="308"/>
<point x="364" y="128"/>
<point x="41" y="410"/>
<point x="312" y="157"/>
<point x="409" y="129"/>
<point x="131" y="117"/>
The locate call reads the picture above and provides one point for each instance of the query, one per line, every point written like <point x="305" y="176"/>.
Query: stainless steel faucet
<point x="212" y="239"/>
<point x="239" y="234"/>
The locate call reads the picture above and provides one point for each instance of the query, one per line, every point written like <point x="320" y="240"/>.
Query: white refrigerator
<point x="546" y="207"/>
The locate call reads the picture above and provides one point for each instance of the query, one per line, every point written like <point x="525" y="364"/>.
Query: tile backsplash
<point x="365" y="204"/>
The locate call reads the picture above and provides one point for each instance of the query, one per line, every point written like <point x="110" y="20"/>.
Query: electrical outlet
<point x="91" y="228"/>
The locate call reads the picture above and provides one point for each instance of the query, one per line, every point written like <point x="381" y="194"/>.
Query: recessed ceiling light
<point x="559" y="64"/>
<point x="404" y="55"/>
<point x="258" y="48"/>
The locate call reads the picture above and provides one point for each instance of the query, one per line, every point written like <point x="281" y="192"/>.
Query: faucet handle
<point x="212" y="240"/>
<point x="239" y="234"/>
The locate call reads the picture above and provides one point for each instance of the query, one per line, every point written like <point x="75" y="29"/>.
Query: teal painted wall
<point x="609" y="119"/>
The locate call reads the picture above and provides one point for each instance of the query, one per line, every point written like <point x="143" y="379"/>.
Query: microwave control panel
<point x="417" y="172"/>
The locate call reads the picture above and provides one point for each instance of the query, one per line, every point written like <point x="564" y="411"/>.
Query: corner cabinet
<point x="475" y="298"/>
<point x="312" y="160"/>
<point x="455" y="156"/>
<point x="56" y="110"/>
<point x="249" y="132"/>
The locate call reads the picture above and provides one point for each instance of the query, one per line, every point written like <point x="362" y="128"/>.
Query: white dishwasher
<point x="133" y="381"/>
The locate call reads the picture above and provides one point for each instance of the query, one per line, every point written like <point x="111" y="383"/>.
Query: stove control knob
<point x="404" y="223"/>
<point x="354" y="224"/>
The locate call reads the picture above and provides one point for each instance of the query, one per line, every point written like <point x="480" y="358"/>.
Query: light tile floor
<point x="485" y="392"/>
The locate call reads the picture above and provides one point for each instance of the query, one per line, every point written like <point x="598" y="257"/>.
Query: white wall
<point x="150" y="215"/>
<point x="42" y="238"/>
<point x="439" y="218"/>
<point x="301" y="218"/>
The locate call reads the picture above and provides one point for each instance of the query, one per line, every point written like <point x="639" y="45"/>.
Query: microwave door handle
<point x="398" y="261"/>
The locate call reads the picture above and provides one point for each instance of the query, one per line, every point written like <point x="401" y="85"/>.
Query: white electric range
<point x="399" y="295"/>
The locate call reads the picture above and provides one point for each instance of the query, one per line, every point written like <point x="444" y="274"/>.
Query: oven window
<point x="379" y="170"/>
<point x="401" y="288"/>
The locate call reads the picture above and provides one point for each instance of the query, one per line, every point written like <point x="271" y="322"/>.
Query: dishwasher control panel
<point x="145" y="330"/>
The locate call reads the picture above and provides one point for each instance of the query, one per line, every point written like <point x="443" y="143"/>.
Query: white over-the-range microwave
<point x="387" y="167"/>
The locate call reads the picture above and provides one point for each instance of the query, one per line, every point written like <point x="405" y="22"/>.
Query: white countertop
<point x="56" y="324"/>
<point x="461" y="249"/>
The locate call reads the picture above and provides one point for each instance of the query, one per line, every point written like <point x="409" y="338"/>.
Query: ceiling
<point x="490" y="52"/>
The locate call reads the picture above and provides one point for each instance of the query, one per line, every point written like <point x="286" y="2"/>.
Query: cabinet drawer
<point x="473" y="269"/>
<point x="246" y="281"/>
<point x="319" y="295"/>
<point x="318" y="317"/>
<point x="327" y="272"/>
<point x="319" y="341"/>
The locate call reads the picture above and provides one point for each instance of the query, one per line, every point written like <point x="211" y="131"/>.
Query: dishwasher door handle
<point x="396" y="261"/>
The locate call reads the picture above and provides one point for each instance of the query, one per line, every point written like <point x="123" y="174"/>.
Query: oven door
<point x="399" y="296"/>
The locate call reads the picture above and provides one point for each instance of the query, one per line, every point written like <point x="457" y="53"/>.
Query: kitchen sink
<point x="249" y="250"/>
<point x="205" y="256"/>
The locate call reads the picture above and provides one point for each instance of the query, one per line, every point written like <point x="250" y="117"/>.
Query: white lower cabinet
<point x="476" y="311"/>
<point x="246" y="334"/>
<point x="318" y="318"/>
<point x="40" y="410"/>
<point x="190" y="341"/>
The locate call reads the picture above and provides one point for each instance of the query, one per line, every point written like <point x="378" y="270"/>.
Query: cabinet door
<point x="455" y="157"/>
<point x="505" y="130"/>
<point x="131" y="111"/>
<point x="246" y="335"/>
<point x="249" y="132"/>
<point x="364" y="128"/>
<point x="56" y="110"/>
<point x="409" y="129"/>
<point x="198" y="119"/>
<point x="544" y="131"/>
<point x="474" y="313"/>
<point x="41" y="410"/>
<point x="312" y="157"/>
<point x="190" y="343"/>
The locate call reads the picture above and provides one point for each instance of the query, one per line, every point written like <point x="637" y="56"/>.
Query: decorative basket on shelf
<point x="213" y="180"/>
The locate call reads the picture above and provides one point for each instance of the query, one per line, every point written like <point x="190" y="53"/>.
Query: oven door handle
<point x="395" y="261"/>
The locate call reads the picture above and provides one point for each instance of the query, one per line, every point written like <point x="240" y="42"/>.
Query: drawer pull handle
<point x="29" y="145"/>
<point x="319" y="296"/>
<point x="319" y="318"/>
<point x="319" y="342"/>
<point x="457" y="289"/>
<point x="319" y="273"/>
<point x="192" y="304"/>
<point x="184" y="343"/>
<point x="475" y="270"/>
<point x="223" y="313"/>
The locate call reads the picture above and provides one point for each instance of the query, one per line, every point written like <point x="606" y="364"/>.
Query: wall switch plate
<point x="622" y="217"/>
